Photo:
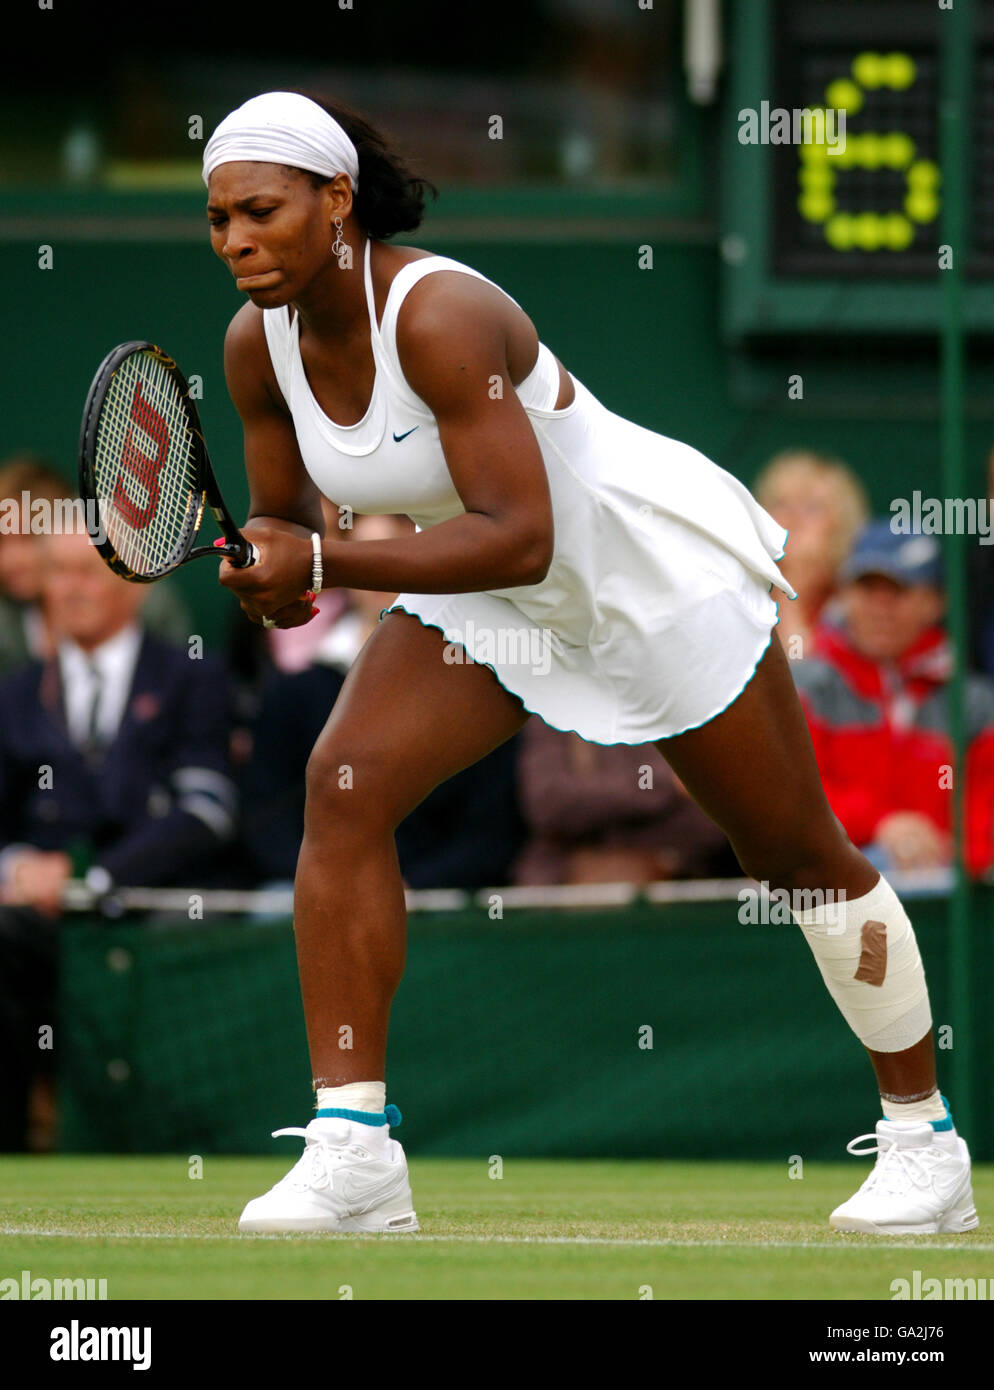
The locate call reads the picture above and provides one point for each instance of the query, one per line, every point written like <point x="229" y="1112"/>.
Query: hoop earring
<point x="339" y="245"/>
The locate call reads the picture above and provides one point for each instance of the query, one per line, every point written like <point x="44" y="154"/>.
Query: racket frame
<point x="236" y="548"/>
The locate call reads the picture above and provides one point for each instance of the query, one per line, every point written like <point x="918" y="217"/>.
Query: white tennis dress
<point x="656" y="607"/>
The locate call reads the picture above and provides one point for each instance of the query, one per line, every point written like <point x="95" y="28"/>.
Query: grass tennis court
<point x="548" y="1229"/>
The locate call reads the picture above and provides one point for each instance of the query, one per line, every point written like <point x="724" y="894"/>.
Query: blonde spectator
<point x="823" y="505"/>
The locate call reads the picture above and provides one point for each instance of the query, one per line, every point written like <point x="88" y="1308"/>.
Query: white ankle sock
<point x="357" y="1095"/>
<point x="932" y="1108"/>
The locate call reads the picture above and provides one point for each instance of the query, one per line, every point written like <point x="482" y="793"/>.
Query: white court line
<point x="841" y="1243"/>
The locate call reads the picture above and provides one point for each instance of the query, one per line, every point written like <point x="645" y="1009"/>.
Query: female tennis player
<point x="568" y="563"/>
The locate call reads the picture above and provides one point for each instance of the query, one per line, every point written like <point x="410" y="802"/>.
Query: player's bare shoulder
<point x="450" y="322"/>
<point x="450" y="301"/>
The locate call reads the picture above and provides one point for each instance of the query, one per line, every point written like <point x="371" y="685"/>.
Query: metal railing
<point x="198" y="904"/>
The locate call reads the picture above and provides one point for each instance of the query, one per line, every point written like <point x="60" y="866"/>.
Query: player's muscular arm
<point x="284" y="502"/>
<point x="452" y="346"/>
<point x="280" y="490"/>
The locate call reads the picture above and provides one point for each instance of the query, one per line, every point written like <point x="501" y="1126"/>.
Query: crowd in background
<point x="171" y="766"/>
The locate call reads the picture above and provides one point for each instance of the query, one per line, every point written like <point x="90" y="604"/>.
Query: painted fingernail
<point x="310" y="596"/>
<point x="219" y="541"/>
<point x="315" y="612"/>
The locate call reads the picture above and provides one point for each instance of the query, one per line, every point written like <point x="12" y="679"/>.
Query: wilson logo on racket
<point x="143" y="469"/>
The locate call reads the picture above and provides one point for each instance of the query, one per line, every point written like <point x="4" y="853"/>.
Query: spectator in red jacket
<point x="875" y="695"/>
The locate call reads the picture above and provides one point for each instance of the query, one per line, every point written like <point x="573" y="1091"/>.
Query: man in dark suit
<point x="114" y="769"/>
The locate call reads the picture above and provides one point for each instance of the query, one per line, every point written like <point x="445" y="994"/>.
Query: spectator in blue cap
<point x="910" y="559"/>
<point x="875" y="693"/>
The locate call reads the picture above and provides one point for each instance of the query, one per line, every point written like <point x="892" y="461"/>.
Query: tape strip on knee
<point x="868" y="957"/>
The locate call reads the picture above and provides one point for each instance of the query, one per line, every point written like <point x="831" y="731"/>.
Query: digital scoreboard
<point x="831" y="181"/>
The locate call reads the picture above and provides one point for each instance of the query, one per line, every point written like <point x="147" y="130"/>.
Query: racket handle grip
<point x="251" y="557"/>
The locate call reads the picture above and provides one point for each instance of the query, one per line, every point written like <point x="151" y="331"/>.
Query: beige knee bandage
<point x="868" y="957"/>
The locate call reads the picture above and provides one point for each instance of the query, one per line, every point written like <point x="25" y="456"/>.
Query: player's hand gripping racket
<point x="144" y="470"/>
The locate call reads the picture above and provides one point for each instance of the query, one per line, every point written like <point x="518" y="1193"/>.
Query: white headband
<point x="283" y="128"/>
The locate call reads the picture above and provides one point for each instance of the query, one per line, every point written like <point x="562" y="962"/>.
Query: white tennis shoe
<point x="349" y="1179"/>
<point x="920" y="1184"/>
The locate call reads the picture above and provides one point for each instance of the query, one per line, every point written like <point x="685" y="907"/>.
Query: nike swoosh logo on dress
<point x="398" y="437"/>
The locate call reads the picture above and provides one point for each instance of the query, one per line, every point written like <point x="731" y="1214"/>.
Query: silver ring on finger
<point x="269" y="622"/>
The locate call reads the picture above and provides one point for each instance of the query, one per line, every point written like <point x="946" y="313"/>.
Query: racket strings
<point x="145" y="465"/>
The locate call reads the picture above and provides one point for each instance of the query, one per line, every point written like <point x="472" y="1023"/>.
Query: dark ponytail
<point x="391" y="195"/>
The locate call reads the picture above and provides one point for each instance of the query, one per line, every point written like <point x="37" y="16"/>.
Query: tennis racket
<point x="144" y="470"/>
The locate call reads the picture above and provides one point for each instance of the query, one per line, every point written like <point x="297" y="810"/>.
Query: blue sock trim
<point x="947" y="1123"/>
<point x="390" y="1116"/>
